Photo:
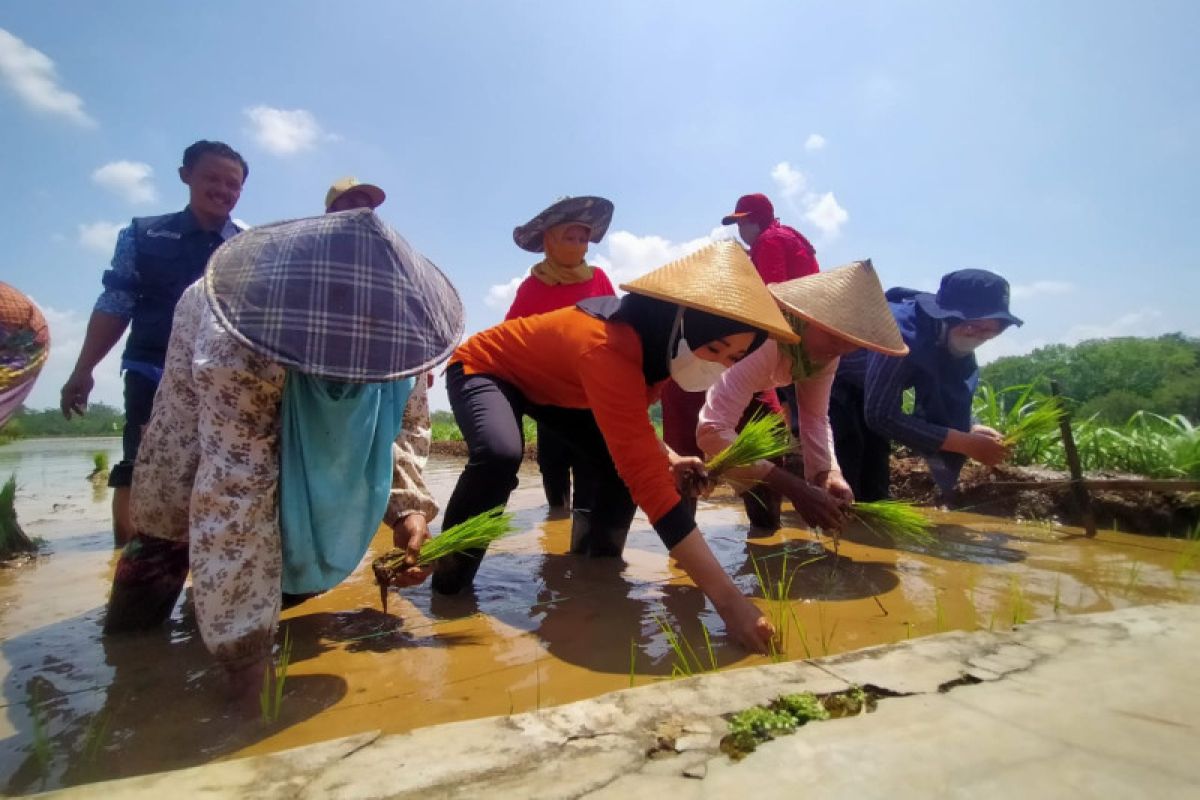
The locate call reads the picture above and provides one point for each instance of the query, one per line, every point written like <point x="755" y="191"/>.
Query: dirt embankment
<point x="981" y="490"/>
<point x="447" y="447"/>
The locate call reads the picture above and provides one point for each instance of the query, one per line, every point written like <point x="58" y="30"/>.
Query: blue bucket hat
<point x="595" y="213"/>
<point x="969" y="294"/>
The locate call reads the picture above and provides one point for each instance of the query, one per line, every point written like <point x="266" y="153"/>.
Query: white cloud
<point x="99" y="237"/>
<point x="1025" y="291"/>
<point x="67" y="329"/>
<point x="129" y="180"/>
<point x="285" y="133"/>
<point x="825" y="213"/>
<point x="31" y="75"/>
<point x="822" y="211"/>
<point x="790" y="180"/>
<point x="628" y="256"/>
<point x="1143" y="322"/>
<point x="815" y="141"/>
<point x="501" y="294"/>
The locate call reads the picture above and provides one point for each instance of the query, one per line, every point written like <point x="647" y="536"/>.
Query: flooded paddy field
<point x="541" y="628"/>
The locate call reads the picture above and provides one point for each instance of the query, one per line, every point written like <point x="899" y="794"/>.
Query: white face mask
<point x="692" y="373"/>
<point x="961" y="345"/>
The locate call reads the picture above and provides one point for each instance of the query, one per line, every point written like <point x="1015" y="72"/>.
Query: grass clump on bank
<point x="783" y="715"/>
<point x="897" y="519"/>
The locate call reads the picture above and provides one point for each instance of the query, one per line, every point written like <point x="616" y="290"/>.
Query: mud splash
<point x="542" y="628"/>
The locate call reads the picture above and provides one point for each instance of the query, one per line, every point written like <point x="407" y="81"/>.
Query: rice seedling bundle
<point x="478" y="532"/>
<point x="12" y="538"/>
<point x="764" y="437"/>
<point x="895" y="518"/>
<point x="1036" y="420"/>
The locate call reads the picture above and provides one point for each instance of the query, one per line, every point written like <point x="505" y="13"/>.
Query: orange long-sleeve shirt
<point x="571" y="359"/>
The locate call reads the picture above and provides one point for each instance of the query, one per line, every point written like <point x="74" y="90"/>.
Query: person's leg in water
<point x="488" y="412"/>
<point x="604" y="509"/>
<point x="139" y="401"/>
<point x="762" y="504"/>
<point x="861" y="453"/>
<point x="554" y="462"/>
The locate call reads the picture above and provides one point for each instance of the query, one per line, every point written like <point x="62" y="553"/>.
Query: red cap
<point x="756" y="207"/>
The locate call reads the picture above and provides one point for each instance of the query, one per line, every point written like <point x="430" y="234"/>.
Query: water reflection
<point x="541" y="626"/>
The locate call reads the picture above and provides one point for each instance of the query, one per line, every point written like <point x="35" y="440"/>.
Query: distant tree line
<point x="100" y="420"/>
<point x="1113" y="378"/>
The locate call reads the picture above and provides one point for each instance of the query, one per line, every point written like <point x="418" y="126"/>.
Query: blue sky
<point x="1053" y="142"/>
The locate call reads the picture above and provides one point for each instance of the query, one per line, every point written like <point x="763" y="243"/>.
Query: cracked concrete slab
<point x="1099" y="706"/>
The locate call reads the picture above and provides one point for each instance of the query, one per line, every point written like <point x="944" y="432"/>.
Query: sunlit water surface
<point x="541" y="628"/>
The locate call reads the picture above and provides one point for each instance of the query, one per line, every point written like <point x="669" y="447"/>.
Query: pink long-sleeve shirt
<point x="767" y="368"/>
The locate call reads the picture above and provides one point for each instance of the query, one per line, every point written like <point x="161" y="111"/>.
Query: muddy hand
<point x="747" y="625"/>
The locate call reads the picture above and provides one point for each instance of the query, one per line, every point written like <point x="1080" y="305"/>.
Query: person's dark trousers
<point x="602" y="509"/>
<point x="554" y="462"/>
<point x="139" y="401"/>
<point x="488" y="411"/>
<point x="861" y="452"/>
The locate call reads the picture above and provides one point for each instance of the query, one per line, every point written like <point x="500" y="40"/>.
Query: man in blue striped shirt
<point x="942" y="332"/>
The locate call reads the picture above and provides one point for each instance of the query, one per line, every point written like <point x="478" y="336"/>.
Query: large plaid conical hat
<point x="340" y="296"/>
<point x="721" y="280"/>
<point x="847" y="301"/>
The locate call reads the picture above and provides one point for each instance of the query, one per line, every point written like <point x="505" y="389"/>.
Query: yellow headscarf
<point x="563" y="263"/>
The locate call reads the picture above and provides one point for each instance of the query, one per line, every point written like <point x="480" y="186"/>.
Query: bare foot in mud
<point x="245" y="688"/>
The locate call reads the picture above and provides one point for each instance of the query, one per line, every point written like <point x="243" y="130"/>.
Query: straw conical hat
<point x="721" y="280"/>
<point x="339" y="296"/>
<point x="847" y="301"/>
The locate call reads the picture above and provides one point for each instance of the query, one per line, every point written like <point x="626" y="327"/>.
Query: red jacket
<point x="536" y="297"/>
<point x="781" y="253"/>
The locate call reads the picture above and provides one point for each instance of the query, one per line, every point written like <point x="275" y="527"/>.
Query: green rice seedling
<point x="478" y="532"/>
<point x="764" y="437"/>
<point x="1189" y="555"/>
<point x="100" y="463"/>
<point x="97" y="732"/>
<point x="908" y="629"/>
<point x="270" y="699"/>
<point x="537" y="677"/>
<point x="1135" y="571"/>
<point x="801" y="632"/>
<point x="687" y="662"/>
<point x="779" y="599"/>
<point x="1016" y="596"/>
<point x="1057" y="594"/>
<point x="1036" y="419"/>
<point x="12" y="539"/>
<point x="826" y="638"/>
<point x="896" y="519"/>
<point x="939" y="613"/>
<point x="632" y="661"/>
<point x="43" y="751"/>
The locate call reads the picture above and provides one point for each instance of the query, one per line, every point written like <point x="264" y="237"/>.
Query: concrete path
<point x="1103" y="706"/>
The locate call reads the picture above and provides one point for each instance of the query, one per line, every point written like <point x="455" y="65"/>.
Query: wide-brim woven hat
<point x="24" y="338"/>
<point x="721" y="280"/>
<point x="846" y="301"/>
<point x="352" y="184"/>
<point x="594" y="212"/>
<point x="339" y="296"/>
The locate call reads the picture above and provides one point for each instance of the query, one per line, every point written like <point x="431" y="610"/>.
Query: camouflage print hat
<point x="340" y="296"/>
<point x="593" y="212"/>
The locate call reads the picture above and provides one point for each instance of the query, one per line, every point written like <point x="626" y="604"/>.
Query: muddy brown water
<point x="542" y="627"/>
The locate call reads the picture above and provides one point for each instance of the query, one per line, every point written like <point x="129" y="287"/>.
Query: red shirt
<point x="536" y="297"/>
<point x="781" y="253"/>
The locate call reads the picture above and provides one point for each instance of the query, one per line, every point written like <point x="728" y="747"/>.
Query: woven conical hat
<point x="721" y="280"/>
<point x="847" y="301"/>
